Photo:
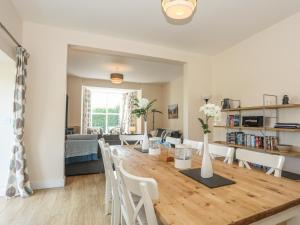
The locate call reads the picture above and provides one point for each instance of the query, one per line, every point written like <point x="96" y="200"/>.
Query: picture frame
<point x="173" y="111"/>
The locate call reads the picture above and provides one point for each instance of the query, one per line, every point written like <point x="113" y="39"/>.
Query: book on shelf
<point x="233" y="120"/>
<point x="252" y="141"/>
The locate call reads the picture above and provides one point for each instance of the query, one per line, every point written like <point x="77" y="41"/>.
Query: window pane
<point x="99" y="121"/>
<point x="115" y="109"/>
<point x="113" y="121"/>
<point x="99" y="110"/>
<point x="98" y="100"/>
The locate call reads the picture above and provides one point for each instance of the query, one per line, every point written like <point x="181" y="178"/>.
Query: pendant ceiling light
<point x="116" y="78"/>
<point x="179" y="9"/>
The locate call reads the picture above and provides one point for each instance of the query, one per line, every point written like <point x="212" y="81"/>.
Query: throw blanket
<point x="81" y="151"/>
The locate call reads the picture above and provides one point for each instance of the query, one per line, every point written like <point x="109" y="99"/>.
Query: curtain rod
<point x="10" y="35"/>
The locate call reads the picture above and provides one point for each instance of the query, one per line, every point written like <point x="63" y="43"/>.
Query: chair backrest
<point x="173" y="141"/>
<point x="144" y="188"/>
<point x="109" y="170"/>
<point x="105" y="160"/>
<point x="136" y="138"/>
<point x="126" y="208"/>
<point x="195" y="145"/>
<point x="275" y="162"/>
<point x="222" y="151"/>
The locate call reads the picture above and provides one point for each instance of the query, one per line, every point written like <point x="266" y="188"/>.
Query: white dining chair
<point x="173" y="141"/>
<point x="121" y="188"/>
<point x="222" y="151"/>
<point x="274" y="162"/>
<point x="195" y="145"/>
<point x="136" y="138"/>
<point x="108" y="191"/>
<point x="115" y="200"/>
<point x="137" y="195"/>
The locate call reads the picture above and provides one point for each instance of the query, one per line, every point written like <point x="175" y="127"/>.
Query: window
<point x="105" y="110"/>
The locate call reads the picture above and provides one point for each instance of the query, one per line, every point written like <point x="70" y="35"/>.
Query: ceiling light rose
<point x="179" y="9"/>
<point x="116" y="78"/>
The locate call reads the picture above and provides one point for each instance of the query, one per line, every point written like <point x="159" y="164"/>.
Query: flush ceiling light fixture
<point x="179" y="9"/>
<point x="116" y="78"/>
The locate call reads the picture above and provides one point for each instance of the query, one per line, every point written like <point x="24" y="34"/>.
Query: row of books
<point x="250" y="140"/>
<point x="233" y="120"/>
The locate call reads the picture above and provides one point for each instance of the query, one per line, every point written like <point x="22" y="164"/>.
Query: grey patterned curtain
<point x="86" y="114"/>
<point x="18" y="181"/>
<point x="125" y="115"/>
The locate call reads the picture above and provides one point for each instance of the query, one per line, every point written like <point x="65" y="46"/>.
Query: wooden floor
<point x="79" y="203"/>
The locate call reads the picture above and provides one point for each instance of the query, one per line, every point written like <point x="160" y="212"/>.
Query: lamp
<point x="132" y="129"/>
<point x="206" y="98"/>
<point x="179" y="9"/>
<point x="116" y="78"/>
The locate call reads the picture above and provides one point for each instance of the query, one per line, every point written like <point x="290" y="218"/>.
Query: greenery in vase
<point x="142" y="107"/>
<point x="210" y="111"/>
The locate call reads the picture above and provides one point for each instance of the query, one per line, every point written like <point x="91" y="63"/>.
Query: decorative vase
<point x="206" y="166"/>
<point x="145" y="144"/>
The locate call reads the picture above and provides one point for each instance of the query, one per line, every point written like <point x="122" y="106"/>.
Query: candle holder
<point x="183" y="158"/>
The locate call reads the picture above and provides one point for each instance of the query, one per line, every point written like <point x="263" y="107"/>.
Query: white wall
<point x="196" y="85"/>
<point x="44" y="129"/>
<point x="7" y="83"/>
<point x="172" y="94"/>
<point x="268" y="62"/>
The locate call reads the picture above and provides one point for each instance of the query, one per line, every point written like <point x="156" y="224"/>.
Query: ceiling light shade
<point x="179" y="9"/>
<point x="116" y="78"/>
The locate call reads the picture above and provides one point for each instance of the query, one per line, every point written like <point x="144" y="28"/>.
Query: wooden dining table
<point x="255" y="198"/>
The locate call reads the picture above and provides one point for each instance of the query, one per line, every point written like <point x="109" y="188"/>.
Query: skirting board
<point x="48" y="184"/>
<point x="41" y="185"/>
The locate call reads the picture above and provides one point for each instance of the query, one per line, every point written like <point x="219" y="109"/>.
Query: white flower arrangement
<point x="142" y="107"/>
<point x="143" y="103"/>
<point x="211" y="111"/>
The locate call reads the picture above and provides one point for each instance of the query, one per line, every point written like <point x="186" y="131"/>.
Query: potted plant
<point x="142" y="108"/>
<point x="210" y="111"/>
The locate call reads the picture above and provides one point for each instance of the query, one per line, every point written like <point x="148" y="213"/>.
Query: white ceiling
<point x="217" y="24"/>
<point x="90" y="63"/>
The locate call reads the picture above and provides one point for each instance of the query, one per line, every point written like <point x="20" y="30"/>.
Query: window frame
<point x="106" y="113"/>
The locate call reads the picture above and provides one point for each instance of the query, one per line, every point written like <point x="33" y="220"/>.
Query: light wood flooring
<point x="79" y="203"/>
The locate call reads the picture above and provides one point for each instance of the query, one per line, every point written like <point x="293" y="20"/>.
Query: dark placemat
<point x="289" y="175"/>
<point x="213" y="182"/>
<point x="141" y="150"/>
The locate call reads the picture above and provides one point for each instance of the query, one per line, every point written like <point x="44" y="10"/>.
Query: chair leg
<point x="116" y="212"/>
<point x="107" y="199"/>
<point x="241" y="164"/>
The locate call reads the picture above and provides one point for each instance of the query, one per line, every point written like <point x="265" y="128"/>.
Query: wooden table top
<point x="184" y="201"/>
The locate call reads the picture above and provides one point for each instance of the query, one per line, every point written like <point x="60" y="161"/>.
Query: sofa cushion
<point x="159" y="132"/>
<point x="111" y="137"/>
<point x="82" y="137"/>
<point x="176" y="134"/>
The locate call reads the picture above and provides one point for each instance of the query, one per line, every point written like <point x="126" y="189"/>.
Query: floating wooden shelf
<point x="291" y="153"/>
<point x="261" y="128"/>
<point x="289" y="106"/>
